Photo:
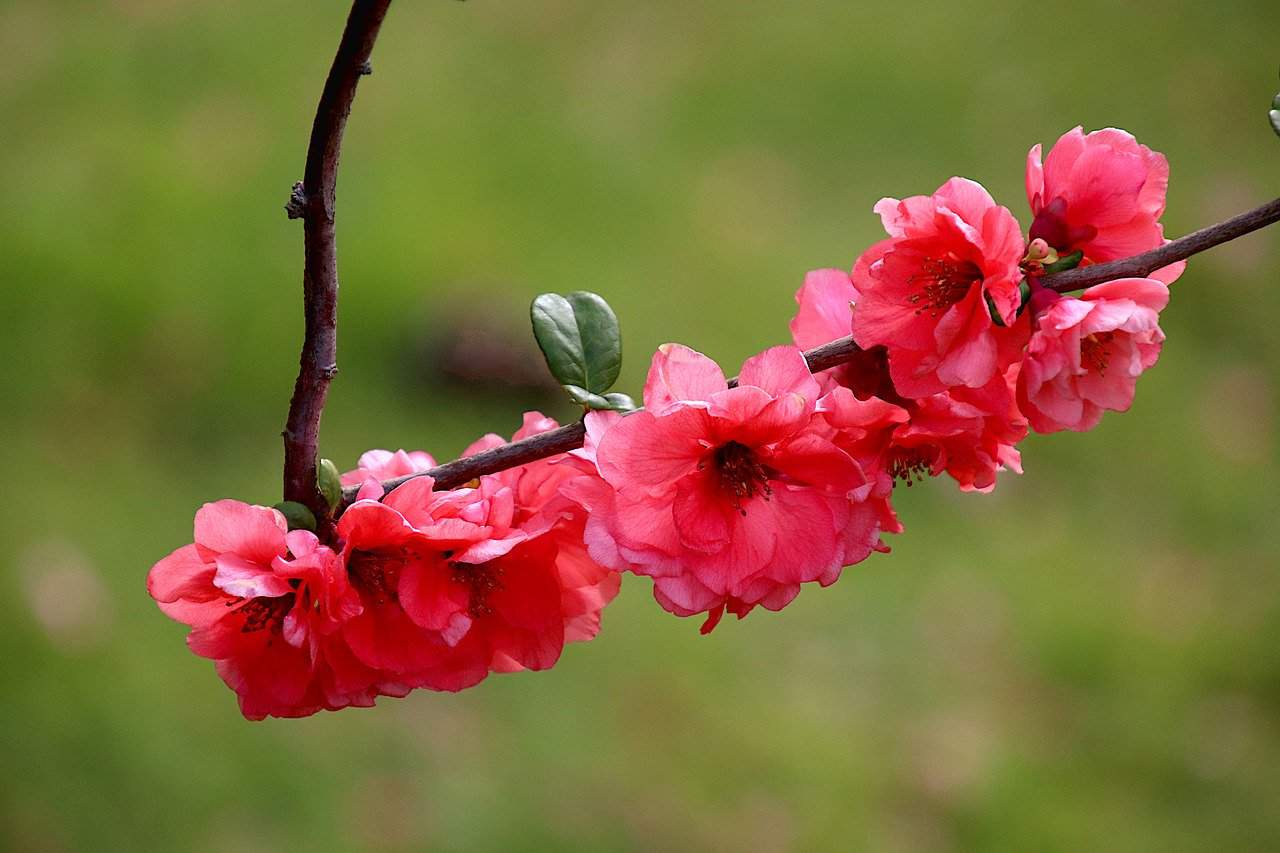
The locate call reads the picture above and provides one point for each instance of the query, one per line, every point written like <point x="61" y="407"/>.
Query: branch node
<point x="329" y="371"/>
<point x="366" y="68"/>
<point x="296" y="206"/>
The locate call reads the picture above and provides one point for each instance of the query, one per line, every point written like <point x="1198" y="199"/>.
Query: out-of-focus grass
<point x="1085" y="659"/>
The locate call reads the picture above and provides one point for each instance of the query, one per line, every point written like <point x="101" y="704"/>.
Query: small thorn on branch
<point x="296" y="206"/>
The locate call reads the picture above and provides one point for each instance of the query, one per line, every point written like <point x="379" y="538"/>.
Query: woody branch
<point x="453" y="474"/>
<point x="313" y="202"/>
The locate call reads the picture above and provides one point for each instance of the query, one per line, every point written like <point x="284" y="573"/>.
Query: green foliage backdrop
<point x="1086" y="659"/>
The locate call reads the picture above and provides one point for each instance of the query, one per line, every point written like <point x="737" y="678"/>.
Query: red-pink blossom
<point x="542" y="509"/>
<point x="377" y="465"/>
<point x="1100" y="193"/>
<point x="825" y="314"/>
<point x="423" y="564"/>
<point x="266" y="606"/>
<point x="459" y="583"/>
<point x="968" y="433"/>
<point x="1086" y="354"/>
<point x="929" y="292"/>
<point x="728" y="498"/>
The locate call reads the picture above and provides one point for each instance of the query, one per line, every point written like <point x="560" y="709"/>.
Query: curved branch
<point x="313" y="202"/>
<point x="1170" y="253"/>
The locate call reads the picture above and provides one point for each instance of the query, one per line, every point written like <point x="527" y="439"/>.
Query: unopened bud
<point x="329" y="482"/>
<point x="1038" y="251"/>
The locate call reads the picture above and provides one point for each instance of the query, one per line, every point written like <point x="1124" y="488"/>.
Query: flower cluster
<point x="728" y="494"/>
<point x="975" y="347"/>
<point x="420" y="588"/>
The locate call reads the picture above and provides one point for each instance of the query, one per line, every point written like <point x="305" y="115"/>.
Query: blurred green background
<point x="1087" y="659"/>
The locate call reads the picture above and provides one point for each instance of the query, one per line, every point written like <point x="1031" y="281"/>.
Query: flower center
<point x="741" y="473"/>
<point x="1095" y="351"/>
<point x="482" y="581"/>
<point x="943" y="283"/>
<point x="264" y="612"/>
<point x="908" y="464"/>
<point x="376" y="574"/>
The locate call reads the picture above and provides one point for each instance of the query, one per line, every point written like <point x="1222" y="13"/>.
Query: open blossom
<point x="929" y="292"/>
<point x="542" y="509"/>
<point x="728" y="498"/>
<point x="377" y="465"/>
<point x="265" y="605"/>
<point x="429" y="588"/>
<point x="825" y="314"/>
<point x="1100" y="193"/>
<point x="1087" y="353"/>
<point x="967" y="433"/>
<point x="459" y="583"/>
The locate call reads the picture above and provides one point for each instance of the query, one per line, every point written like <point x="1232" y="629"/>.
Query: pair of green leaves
<point x="580" y="339"/>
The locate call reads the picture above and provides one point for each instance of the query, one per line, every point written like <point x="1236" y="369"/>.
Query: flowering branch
<point x="450" y="475"/>
<point x="313" y="202"/>
<point x="1142" y="265"/>
<point x="730" y="494"/>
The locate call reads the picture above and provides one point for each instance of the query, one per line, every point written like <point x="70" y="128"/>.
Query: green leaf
<point x="329" y="481"/>
<point x="604" y="402"/>
<point x="621" y="402"/>
<point x="579" y="337"/>
<point x="1024" y="295"/>
<point x="991" y="309"/>
<point x="298" y="516"/>
<point x="583" y="397"/>
<point x="1066" y="262"/>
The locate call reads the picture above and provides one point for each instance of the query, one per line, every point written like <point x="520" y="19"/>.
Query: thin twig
<point x="313" y="201"/>
<point x="1171" y="252"/>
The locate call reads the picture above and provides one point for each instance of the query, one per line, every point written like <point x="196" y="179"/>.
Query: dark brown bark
<point x="313" y="202"/>
<point x="1171" y="252"/>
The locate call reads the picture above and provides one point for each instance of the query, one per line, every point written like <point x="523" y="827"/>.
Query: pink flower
<point x="826" y="314"/>
<point x="377" y="465"/>
<point x="968" y="433"/>
<point x="543" y="510"/>
<point x="928" y="292"/>
<point x="1087" y="353"/>
<point x="535" y="487"/>
<point x="460" y="583"/>
<point x="265" y="604"/>
<point x="1101" y="193"/>
<point x="728" y="498"/>
<point x="423" y="565"/>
